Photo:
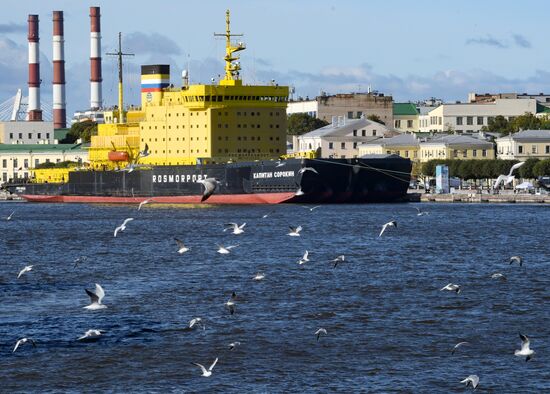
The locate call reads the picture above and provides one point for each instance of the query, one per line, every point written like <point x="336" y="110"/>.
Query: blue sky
<point x="411" y="50"/>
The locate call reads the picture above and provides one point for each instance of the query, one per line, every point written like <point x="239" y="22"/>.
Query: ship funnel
<point x="154" y="79"/>
<point x="34" y="111"/>
<point x="59" y="111"/>
<point x="95" y="59"/>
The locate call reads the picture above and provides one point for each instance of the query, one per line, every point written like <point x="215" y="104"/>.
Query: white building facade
<point x="524" y="145"/>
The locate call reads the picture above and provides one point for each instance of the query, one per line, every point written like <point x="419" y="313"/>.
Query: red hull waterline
<point x="258" y="198"/>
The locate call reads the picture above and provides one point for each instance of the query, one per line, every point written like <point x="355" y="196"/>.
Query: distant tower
<point x="34" y="111"/>
<point x="95" y="59"/>
<point x="59" y="112"/>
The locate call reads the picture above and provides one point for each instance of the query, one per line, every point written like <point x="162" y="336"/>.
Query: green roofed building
<point x="17" y="160"/>
<point x="405" y="117"/>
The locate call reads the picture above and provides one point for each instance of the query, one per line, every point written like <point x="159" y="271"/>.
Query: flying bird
<point x="91" y="335"/>
<point x="230" y="304"/>
<point x="22" y="341"/>
<point x="393" y="223"/>
<point x="472" y="380"/>
<point x="268" y="214"/>
<point x="451" y="287"/>
<point x="210" y="186"/>
<point x="259" y="276"/>
<point x="279" y="163"/>
<point x="304" y="258"/>
<point x="455" y="348"/>
<point x="295" y="231"/>
<point x="95" y="298"/>
<point x="143" y="203"/>
<point x="225" y="249"/>
<point x="498" y="275"/>
<point x="26" y="269"/>
<point x="10" y="216"/>
<point x="312" y="208"/>
<point x="233" y="345"/>
<point x="507" y="178"/>
<point x="236" y="228"/>
<point x="79" y="260"/>
<point x="525" y="351"/>
<point x="122" y="227"/>
<point x="206" y="372"/>
<point x="319" y="332"/>
<point x="516" y="259"/>
<point x="145" y="152"/>
<point x="299" y="191"/>
<point x="337" y="260"/>
<point x="304" y="169"/>
<point x="420" y="212"/>
<point x="181" y="247"/>
<point x="197" y="321"/>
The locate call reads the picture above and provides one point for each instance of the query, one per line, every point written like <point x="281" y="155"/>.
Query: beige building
<point x="17" y="160"/>
<point x="524" y="145"/>
<point x="342" y="138"/>
<point x="459" y="147"/>
<point x="350" y="106"/>
<point x="404" y="145"/>
<point x="406" y="117"/>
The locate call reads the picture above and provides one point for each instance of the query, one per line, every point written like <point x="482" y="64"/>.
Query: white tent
<point x="525" y="186"/>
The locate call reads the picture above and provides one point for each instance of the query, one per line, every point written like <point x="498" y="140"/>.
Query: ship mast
<point x="119" y="55"/>
<point x="231" y="69"/>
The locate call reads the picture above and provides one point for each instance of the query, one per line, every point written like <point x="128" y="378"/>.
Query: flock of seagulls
<point x="97" y="294"/>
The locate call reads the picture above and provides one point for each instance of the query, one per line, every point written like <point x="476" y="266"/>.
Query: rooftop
<point x="402" y="109"/>
<point x="529" y="135"/>
<point x="344" y="128"/>
<point x="40" y="147"/>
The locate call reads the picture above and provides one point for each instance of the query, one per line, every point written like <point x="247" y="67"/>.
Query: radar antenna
<point x="119" y="54"/>
<point x="232" y="67"/>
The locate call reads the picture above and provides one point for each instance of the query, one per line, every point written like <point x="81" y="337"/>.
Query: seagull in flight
<point x="143" y="203"/>
<point x="225" y="249"/>
<point x="471" y="380"/>
<point x="420" y="212"/>
<point x="451" y="287"/>
<point x="230" y="304"/>
<point x="181" y="247"/>
<point x="498" y="275"/>
<point x="312" y="208"/>
<point x="95" y="298"/>
<point x="236" y="228"/>
<point x="233" y="345"/>
<point x="393" y="223"/>
<point x="337" y="260"/>
<point x="210" y="186"/>
<point x="145" y="152"/>
<point x="304" y="258"/>
<point x="508" y="178"/>
<point x="280" y="163"/>
<point x="26" y="269"/>
<point x="79" y="260"/>
<point x="22" y="341"/>
<point x="304" y="169"/>
<point x="197" y="321"/>
<point x="295" y="231"/>
<point x="319" y="332"/>
<point x="259" y="276"/>
<point x="525" y="351"/>
<point x="268" y="214"/>
<point x="299" y="192"/>
<point x="10" y="216"/>
<point x="459" y="344"/>
<point x="206" y="372"/>
<point x="122" y="227"/>
<point x="516" y="259"/>
<point x="91" y="335"/>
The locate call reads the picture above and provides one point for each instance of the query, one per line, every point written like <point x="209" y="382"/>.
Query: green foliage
<point x="302" y="123"/>
<point x="541" y="168"/>
<point x="526" y="170"/>
<point x="82" y="130"/>
<point x="62" y="164"/>
<point x="472" y="169"/>
<point x="527" y="121"/>
<point x="375" y="118"/>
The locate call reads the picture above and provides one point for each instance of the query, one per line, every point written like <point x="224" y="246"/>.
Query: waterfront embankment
<point x="508" y="198"/>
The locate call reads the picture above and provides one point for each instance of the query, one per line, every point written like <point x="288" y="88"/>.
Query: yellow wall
<point x="409" y="152"/>
<point x="431" y="152"/>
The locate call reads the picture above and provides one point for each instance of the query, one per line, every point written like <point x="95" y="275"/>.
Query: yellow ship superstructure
<point x="216" y="123"/>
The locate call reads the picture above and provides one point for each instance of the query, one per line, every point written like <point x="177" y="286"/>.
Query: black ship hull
<point x="377" y="179"/>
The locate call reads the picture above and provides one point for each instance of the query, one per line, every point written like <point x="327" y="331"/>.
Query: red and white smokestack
<point x="95" y="59"/>
<point x="34" y="112"/>
<point x="59" y="112"/>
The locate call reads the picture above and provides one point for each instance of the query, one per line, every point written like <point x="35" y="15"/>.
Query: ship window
<point x="270" y="126"/>
<point x="163" y="127"/>
<point x="277" y="138"/>
<point x="252" y="114"/>
<point x="257" y="126"/>
<point x="238" y="138"/>
<point x="169" y="114"/>
<point x="205" y="126"/>
<point x="244" y="113"/>
<point x="271" y="114"/>
<point x="163" y="151"/>
<point x="257" y="113"/>
<point x="227" y="138"/>
<point x="155" y="127"/>
<point x="219" y="138"/>
<point x="238" y="114"/>
<point x="170" y="127"/>
<point x="226" y="114"/>
<point x="244" y="126"/>
<point x="220" y="98"/>
<point x="258" y="138"/>
<point x="244" y="138"/>
<point x="219" y="151"/>
<point x="149" y="127"/>
<point x="252" y="138"/>
<point x="164" y="139"/>
<point x="276" y="126"/>
<point x="271" y="138"/>
<point x="205" y="138"/>
<point x="226" y="126"/>
<point x="277" y="150"/>
<point x="226" y="151"/>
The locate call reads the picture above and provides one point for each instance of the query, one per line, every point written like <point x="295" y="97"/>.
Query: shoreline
<point x="480" y="198"/>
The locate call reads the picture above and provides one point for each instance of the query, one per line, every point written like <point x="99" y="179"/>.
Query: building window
<point x="4" y="163"/>
<point x="440" y="121"/>
<point x="36" y="162"/>
<point x="374" y="133"/>
<point x="474" y="153"/>
<point x="459" y="120"/>
<point x="406" y="153"/>
<point x="30" y="136"/>
<point x="533" y="149"/>
<point x="20" y="136"/>
<point x="480" y="120"/>
<point x="547" y="149"/>
<point x="5" y="177"/>
<point x="409" y="124"/>
<point x="484" y="153"/>
<point x="11" y="136"/>
<point x="15" y="163"/>
<point x="330" y="146"/>
<point x="355" y="145"/>
<point x="26" y="163"/>
<point x="355" y="133"/>
<point x="363" y="133"/>
<point x="520" y="149"/>
<point x="397" y="124"/>
<point x="455" y="153"/>
<point x="469" y="120"/>
<point x="350" y="114"/>
<point x="359" y="114"/>
<point x="343" y="145"/>
<point x="465" y="153"/>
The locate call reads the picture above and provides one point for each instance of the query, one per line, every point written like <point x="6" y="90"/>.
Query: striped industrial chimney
<point x="95" y="59"/>
<point x="34" y="112"/>
<point x="59" y="112"/>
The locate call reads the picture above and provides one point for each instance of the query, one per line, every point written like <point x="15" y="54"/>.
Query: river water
<point x="389" y="327"/>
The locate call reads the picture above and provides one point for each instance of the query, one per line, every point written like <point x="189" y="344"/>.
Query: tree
<point x="542" y="168"/>
<point x="375" y="118"/>
<point x="499" y="124"/>
<point x="526" y="170"/>
<point x="82" y="130"/>
<point x="302" y="123"/>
